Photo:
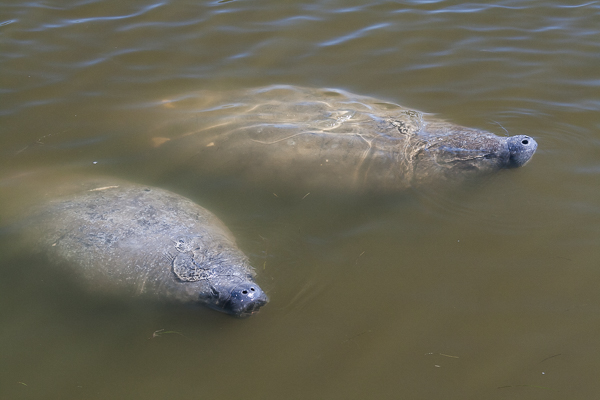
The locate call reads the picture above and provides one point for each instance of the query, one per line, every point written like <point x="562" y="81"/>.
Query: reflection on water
<point x="487" y="291"/>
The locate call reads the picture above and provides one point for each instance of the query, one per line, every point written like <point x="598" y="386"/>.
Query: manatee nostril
<point x="525" y="142"/>
<point x="244" y="292"/>
<point x="252" y="289"/>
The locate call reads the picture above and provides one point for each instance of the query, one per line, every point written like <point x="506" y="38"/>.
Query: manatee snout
<point x="521" y="148"/>
<point x="246" y="299"/>
<point x="242" y="300"/>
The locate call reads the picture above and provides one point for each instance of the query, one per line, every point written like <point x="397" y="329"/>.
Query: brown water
<point x="489" y="292"/>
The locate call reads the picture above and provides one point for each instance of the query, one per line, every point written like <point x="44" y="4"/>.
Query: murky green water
<point x="486" y="293"/>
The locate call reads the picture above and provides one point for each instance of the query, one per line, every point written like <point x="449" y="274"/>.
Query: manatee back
<point x="114" y="235"/>
<point x="297" y="136"/>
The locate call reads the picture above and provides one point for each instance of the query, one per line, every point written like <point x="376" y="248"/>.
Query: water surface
<point x="487" y="292"/>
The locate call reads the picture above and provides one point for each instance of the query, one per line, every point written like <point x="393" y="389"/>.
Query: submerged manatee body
<point x="329" y="139"/>
<point x="118" y="236"/>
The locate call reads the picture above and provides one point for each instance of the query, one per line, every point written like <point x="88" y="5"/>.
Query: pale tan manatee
<point x="326" y="139"/>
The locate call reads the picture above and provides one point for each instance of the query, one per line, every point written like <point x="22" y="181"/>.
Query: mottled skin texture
<point x="118" y="236"/>
<point x="331" y="139"/>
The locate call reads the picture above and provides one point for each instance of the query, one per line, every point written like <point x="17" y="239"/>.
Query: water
<point x="488" y="292"/>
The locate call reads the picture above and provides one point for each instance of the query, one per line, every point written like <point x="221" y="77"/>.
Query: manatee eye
<point x="525" y="141"/>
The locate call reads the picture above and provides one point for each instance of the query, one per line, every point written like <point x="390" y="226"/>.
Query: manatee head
<point x="234" y="295"/>
<point x="219" y="278"/>
<point x="463" y="152"/>
<point x="521" y="149"/>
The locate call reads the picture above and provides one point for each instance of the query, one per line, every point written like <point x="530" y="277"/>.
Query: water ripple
<point x="289" y="21"/>
<point x="354" y="35"/>
<point x="69" y="22"/>
<point x="8" y="22"/>
<point x="579" y="5"/>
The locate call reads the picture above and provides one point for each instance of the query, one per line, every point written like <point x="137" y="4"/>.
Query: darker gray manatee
<point x="117" y="236"/>
<point x="329" y="139"/>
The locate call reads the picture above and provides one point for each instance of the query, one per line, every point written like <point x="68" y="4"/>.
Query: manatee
<point x="328" y="139"/>
<point x="119" y="237"/>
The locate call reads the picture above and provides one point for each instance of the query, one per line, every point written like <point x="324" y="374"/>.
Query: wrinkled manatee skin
<point x="332" y="140"/>
<point x="146" y="241"/>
